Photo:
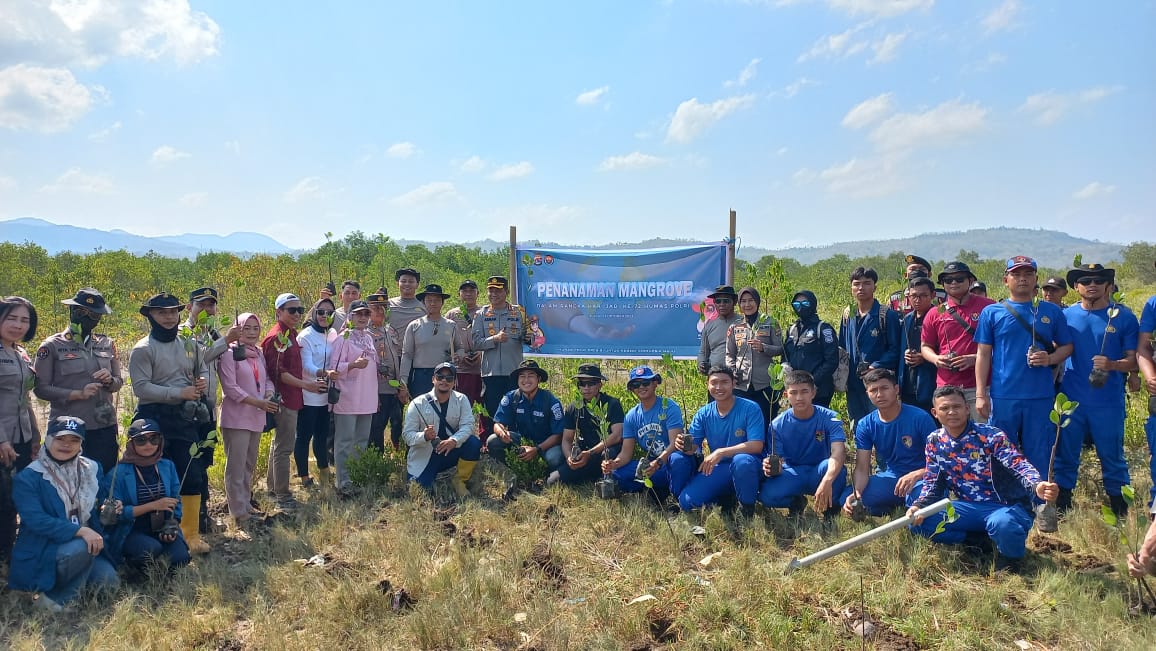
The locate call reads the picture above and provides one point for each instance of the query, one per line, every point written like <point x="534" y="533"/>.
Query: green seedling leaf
<point x="1108" y="515"/>
<point x="74" y="328"/>
<point x="951" y="516"/>
<point x="940" y="528"/>
<point x="1071" y="406"/>
<point x="1123" y="538"/>
<point x="345" y="335"/>
<point x="1061" y="402"/>
<point x="646" y="481"/>
<point x="394" y="383"/>
<point x="1067" y="421"/>
<point x="1128" y="493"/>
<point x="1054" y="417"/>
<point x="194" y="449"/>
<point x="202" y="318"/>
<point x="1078" y="260"/>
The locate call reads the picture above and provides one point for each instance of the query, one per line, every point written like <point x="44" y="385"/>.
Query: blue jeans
<point x="738" y="475"/>
<point x="471" y="450"/>
<point x="1106" y="424"/>
<point x="879" y="496"/>
<point x="141" y="550"/>
<point x="779" y="492"/>
<point x="1007" y="526"/>
<point x="76" y="568"/>
<point x="312" y="425"/>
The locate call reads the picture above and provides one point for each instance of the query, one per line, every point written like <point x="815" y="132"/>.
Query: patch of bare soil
<point x="547" y="563"/>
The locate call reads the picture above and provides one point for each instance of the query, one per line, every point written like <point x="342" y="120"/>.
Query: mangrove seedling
<point x="1144" y="604"/>
<point x="1047" y="518"/>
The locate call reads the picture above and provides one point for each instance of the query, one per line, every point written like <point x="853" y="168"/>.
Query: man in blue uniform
<point x="811" y="443"/>
<point x="896" y="432"/>
<point x="530" y="418"/>
<point x="916" y="375"/>
<point x="1147" y="363"/>
<point x="654" y="424"/>
<point x="1019" y="396"/>
<point x="811" y="346"/>
<point x="992" y="481"/>
<point x="732" y="428"/>
<point x="1104" y="335"/>
<point x="871" y="337"/>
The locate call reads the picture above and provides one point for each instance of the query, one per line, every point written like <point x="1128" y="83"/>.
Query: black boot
<point x="1064" y="501"/>
<point x="1003" y="564"/>
<point x="747" y="511"/>
<point x="1119" y="505"/>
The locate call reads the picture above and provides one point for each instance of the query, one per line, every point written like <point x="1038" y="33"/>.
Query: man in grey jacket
<point x="713" y="351"/>
<point x="439" y="432"/>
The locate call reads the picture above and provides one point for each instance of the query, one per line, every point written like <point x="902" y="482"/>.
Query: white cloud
<point x="89" y="32"/>
<point x="748" y="73"/>
<point x="834" y="46"/>
<point x="1003" y="18"/>
<point x="793" y="88"/>
<point x="42" y="99"/>
<point x="869" y="111"/>
<point x="75" y="180"/>
<point x="1049" y="107"/>
<point x="512" y="171"/>
<point x="879" y="8"/>
<point x="692" y="118"/>
<point x="104" y="134"/>
<point x="166" y="154"/>
<point x="402" y="150"/>
<point x="632" y="161"/>
<point x="306" y="189"/>
<point x="867" y="178"/>
<point x="473" y="164"/>
<point x="194" y="199"/>
<point x="1092" y="190"/>
<point x="425" y="194"/>
<point x="945" y="124"/>
<point x="592" y="97"/>
<point x="887" y="49"/>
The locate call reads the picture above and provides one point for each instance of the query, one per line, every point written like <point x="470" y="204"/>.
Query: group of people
<point x="946" y="390"/>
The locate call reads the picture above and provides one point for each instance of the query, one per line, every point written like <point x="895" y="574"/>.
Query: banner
<point x="622" y="303"/>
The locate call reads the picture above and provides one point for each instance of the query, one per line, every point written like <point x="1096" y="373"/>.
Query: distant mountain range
<point x="1050" y="248"/>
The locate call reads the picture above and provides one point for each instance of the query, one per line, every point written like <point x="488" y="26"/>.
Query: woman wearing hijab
<point x="149" y="491"/>
<point x="60" y="547"/>
<point x="316" y="341"/>
<point x="751" y="348"/>
<point x="247" y="390"/>
<point x="355" y="363"/>
<point x="428" y="341"/>
<point x="19" y="435"/>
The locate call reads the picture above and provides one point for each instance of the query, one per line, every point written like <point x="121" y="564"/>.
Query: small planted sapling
<point x="198" y="449"/>
<point x="1047" y="518"/>
<point x="1145" y="598"/>
<point x="774" y="462"/>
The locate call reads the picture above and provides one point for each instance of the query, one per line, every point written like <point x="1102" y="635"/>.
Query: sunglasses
<point x="149" y="439"/>
<point x="638" y="384"/>
<point x="951" y="280"/>
<point x="323" y="312"/>
<point x="723" y="301"/>
<point x="445" y="377"/>
<point x="588" y="383"/>
<point x="1092" y="280"/>
<point x="295" y="310"/>
<point x="798" y="304"/>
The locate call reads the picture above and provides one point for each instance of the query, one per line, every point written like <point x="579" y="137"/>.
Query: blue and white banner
<point x="622" y="303"/>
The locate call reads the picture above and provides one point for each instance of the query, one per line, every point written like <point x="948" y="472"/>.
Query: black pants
<point x="388" y="412"/>
<point x="101" y="446"/>
<point x="7" y="506"/>
<point x="496" y="387"/>
<point x="180" y="435"/>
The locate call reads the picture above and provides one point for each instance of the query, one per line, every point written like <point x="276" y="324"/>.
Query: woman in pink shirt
<point x="354" y="359"/>
<point x="247" y="388"/>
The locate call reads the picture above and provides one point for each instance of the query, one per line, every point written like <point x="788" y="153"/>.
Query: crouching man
<point x="993" y="480"/>
<point x="811" y="444"/>
<point x="439" y="432"/>
<point x="733" y="429"/>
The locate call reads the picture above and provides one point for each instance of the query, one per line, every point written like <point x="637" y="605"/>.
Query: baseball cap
<point x="1020" y="262"/>
<point x="282" y="299"/>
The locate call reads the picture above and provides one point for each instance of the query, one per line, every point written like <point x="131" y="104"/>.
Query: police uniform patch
<point x="740" y="433"/>
<point x="506" y="401"/>
<point x="819" y="434"/>
<point x="829" y="336"/>
<point x="906" y="441"/>
<point x="42" y="353"/>
<point x="1110" y="329"/>
<point x="1044" y="319"/>
<point x="556" y="410"/>
<point x="874" y="332"/>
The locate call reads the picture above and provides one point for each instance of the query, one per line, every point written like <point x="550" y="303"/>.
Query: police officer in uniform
<point x="79" y="374"/>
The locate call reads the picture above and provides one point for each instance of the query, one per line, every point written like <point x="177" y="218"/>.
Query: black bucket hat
<point x="590" y="371"/>
<point x="955" y="268"/>
<point x="432" y="290"/>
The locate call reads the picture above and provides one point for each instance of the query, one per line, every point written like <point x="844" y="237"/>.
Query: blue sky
<point x="818" y="121"/>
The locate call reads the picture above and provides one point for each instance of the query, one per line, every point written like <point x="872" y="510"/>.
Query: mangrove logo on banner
<point x="623" y="303"/>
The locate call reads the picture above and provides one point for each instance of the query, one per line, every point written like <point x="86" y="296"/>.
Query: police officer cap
<point x="202" y="294"/>
<point x="380" y="297"/>
<point x="407" y="271"/>
<point x="1092" y="270"/>
<point x="497" y="282"/>
<point x="955" y="268"/>
<point x="143" y="426"/>
<point x="914" y="259"/>
<point x="164" y="300"/>
<point x="67" y="425"/>
<point x="530" y="365"/>
<point x="89" y="299"/>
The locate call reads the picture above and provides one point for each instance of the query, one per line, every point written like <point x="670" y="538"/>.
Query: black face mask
<point x="163" y="335"/>
<point x="317" y="326"/>
<point x="86" y="320"/>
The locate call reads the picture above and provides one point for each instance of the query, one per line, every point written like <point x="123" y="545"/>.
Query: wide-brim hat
<point x="952" y="268"/>
<point x="530" y="365"/>
<point x="590" y="371"/>
<point x="723" y="290"/>
<point x="89" y="299"/>
<point x="1095" y="270"/>
<point x="162" y="301"/>
<point x="432" y="290"/>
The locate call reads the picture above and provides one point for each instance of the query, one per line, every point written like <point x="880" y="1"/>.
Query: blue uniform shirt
<point x="807" y="442"/>
<point x="865" y="340"/>
<point x="536" y="420"/>
<point x="743" y="423"/>
<point x="1148" y="316"/>
<point x="1088" y="329"/>
<point x="651" y="427"/>
<point x="899" y="443"/>
<point x="1011" y="377"/>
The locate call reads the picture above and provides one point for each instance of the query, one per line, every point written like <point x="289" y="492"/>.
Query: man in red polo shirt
<point x="949" y="333"/>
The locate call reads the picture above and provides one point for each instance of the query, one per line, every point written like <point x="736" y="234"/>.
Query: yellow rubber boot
<point x="465" y="471"/>
<point x="190" y="510"/>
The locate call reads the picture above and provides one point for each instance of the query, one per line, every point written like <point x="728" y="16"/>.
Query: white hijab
<point x="74" y="480"/>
